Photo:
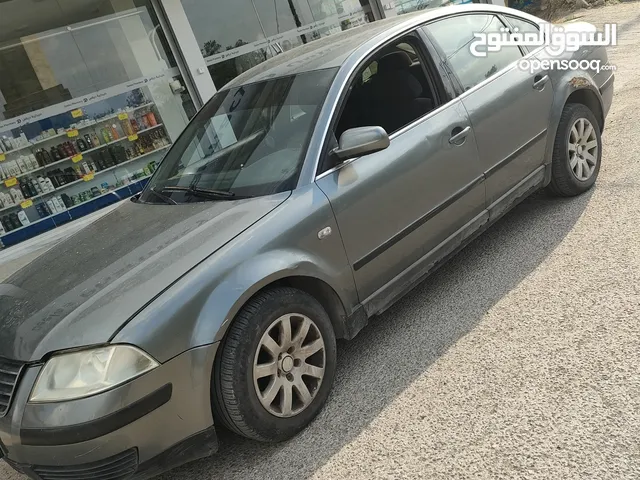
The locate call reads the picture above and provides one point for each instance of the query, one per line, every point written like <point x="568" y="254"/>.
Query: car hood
<point x="84" y="290"/>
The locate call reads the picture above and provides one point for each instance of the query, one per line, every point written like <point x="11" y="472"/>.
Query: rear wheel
<point x="577" y="152"/>
<point x="276" y="366"/>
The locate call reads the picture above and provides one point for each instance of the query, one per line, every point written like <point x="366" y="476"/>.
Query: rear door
<point x="395" y="206"/>
<point x="509" y="107"/>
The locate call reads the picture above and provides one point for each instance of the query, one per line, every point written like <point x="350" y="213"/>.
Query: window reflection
<point x="236" y="36"/>
<point x="250" y="140"/>
<point x="455" y="36"/>
<point x="46" y="60"/>
<point x="90" y="102"/>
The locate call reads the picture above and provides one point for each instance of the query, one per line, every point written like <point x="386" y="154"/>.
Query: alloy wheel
<point x="289" y="365"/>
<point x="583" y="149"/>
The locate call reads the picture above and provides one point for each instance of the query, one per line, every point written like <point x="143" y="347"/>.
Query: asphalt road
<point x="519" y="359"/>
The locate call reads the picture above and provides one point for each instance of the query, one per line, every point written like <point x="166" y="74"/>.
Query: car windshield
<point x="247" y="141"/>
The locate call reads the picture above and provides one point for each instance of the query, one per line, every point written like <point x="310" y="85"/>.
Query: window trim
<point x="433" y="77"/>
<point x="441" y="69"/>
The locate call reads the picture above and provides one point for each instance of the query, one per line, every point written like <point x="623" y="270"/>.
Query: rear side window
<point x="455" y="35"/>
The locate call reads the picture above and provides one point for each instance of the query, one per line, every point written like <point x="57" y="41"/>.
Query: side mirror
<point x="360" y="141"/>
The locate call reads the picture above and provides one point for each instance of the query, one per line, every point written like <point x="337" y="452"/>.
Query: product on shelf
<point x="6" y="200"/>
<point x="126" y="127"/>
<point x="118" y="154"/>
<point x="11" y="222"/>
<point x="10" y="144"/>
<point x="51" y="207"/>
<point x="35" y="186"/>
<point x="151" y="118"/>
<point x="58" y="205"/>
<point x="42" y="210"/>
<point x="17" y="195"/>
<point x="82" y="145"/>
<point x="22" y="217"/>
<point x="106" y="136"/>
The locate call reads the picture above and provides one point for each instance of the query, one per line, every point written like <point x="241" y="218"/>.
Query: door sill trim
<point x="405" y="281"/>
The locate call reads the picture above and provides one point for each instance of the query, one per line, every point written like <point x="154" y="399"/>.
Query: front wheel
<point x="276" y="366"/>
<point x="577" y="152"/>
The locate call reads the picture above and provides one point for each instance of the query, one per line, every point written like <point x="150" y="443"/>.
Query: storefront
<point x="94" y="92"/>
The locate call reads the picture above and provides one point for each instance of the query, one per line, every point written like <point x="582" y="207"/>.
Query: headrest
<point x="394" y="61"/>
<point x="397" y="85"/>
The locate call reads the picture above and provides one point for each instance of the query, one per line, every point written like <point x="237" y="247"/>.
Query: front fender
<point x="198" y="309"/>
<point x="248" y="279"/>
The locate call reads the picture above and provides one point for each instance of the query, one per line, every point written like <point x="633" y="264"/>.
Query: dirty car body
<point x="292" y="203"/>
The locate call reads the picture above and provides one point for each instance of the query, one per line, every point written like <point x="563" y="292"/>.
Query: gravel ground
<point x="516" y="360"/>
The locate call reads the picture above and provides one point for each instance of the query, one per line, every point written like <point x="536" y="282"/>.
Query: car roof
<point x="334" y="50"/>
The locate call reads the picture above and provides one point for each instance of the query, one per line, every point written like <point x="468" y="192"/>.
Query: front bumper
<point x="153" y="423"/>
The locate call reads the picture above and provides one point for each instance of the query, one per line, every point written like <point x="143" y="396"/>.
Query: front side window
<point x="393" y="91"/>
<point x="455" y="35"/>
<point x="247" y="141"/>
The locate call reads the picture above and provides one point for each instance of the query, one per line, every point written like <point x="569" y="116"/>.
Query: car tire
<point x="575" y="166"/>
<point x="242" y="398"/>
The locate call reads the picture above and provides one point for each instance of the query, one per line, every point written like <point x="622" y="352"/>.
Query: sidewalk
<point x="14" y="258"/>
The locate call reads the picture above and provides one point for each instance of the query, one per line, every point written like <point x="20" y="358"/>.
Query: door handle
<point x="458" y="135"/>
<point x="540" y="81"/>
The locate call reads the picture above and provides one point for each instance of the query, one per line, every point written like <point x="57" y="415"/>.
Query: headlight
<point x="81" y="374"/>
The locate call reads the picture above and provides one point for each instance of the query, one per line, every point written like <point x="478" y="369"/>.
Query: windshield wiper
<point x="163" y="197"/>
<point x="201" y="192"/>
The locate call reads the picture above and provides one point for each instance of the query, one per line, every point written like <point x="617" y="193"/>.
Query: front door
<point x="395" y="206"/>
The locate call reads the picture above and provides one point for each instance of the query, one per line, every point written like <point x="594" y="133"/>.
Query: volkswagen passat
<point x="303" y="199"/>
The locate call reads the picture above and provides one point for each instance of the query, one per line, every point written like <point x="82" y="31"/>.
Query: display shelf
<point x="17" y="205"/>
<point x="115" y="115"/>
<point x="77" y="211"/>
<point x="98" y="121"/>
<point x="120" y="165"/>
<point x="102" y="194"/>
<point x="32" y="223"/>
<point x="94" y="149"/>
<point x="95" y="174"/>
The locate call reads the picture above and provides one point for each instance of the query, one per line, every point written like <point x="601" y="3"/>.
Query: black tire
<point x="564" y="182"/>
<point x="234" y="399"/>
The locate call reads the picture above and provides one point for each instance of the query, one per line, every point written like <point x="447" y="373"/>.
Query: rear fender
<point x="567" y="86"/>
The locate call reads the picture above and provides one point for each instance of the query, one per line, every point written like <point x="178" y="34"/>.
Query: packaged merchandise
<point x="22" y="166"/>
<point x="24" y="220"/>
<point x="16" y="195"/>
<point x="51" y="207"/>
<point x="57" y="204"/>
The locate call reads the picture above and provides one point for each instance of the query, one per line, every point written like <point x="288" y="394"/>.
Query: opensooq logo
<point x="556" y="39"/>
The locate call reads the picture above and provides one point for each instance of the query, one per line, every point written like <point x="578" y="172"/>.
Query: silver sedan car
<point x="306" y="197"/>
